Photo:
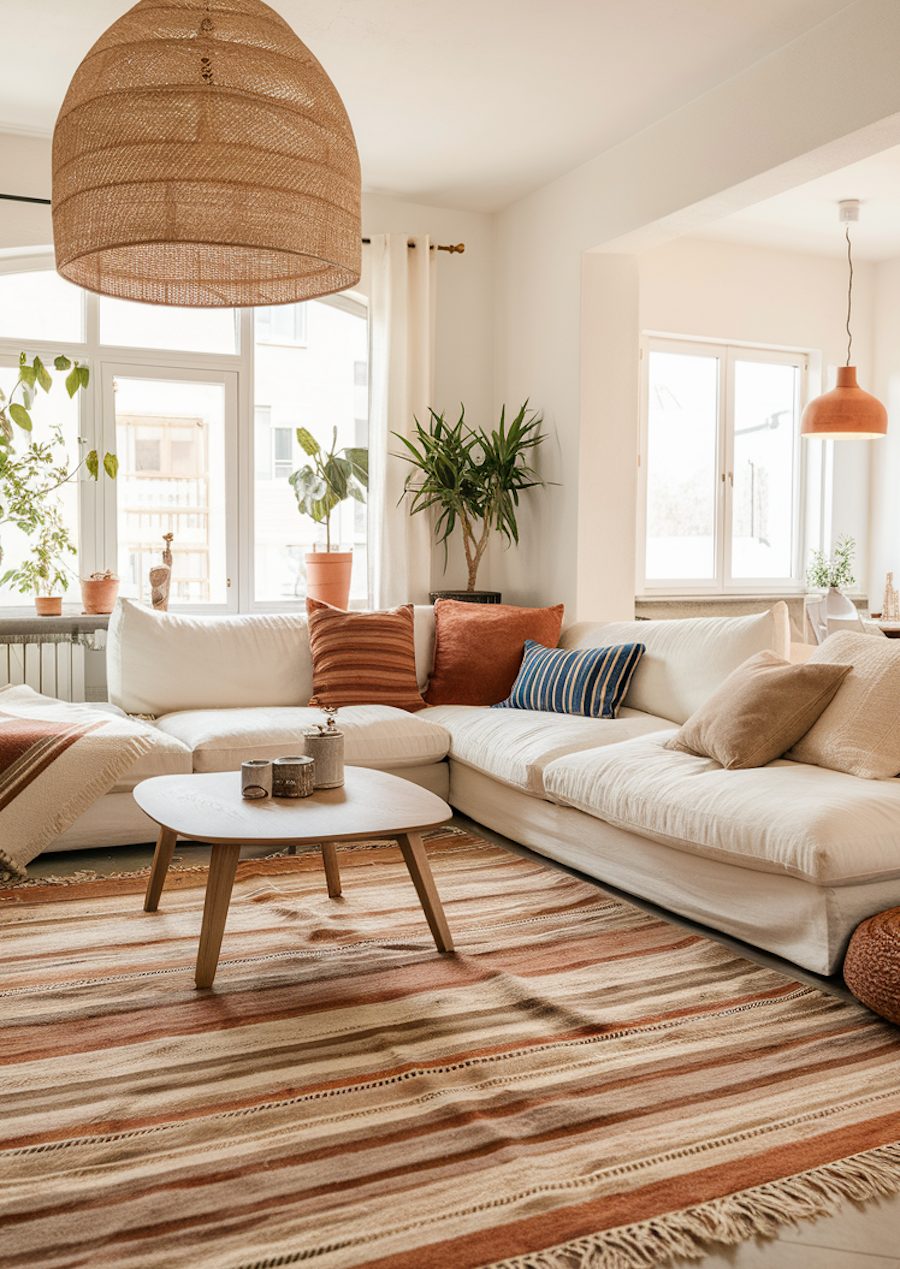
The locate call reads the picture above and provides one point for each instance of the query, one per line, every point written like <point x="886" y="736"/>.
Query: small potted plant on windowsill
<point x="469" y="475"/>
<point x="30" y="478"/>
<point x="320" y="486"/>
<point x="99" y="592"/>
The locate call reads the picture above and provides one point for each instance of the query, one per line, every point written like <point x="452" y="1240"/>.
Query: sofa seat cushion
<point x="169" y="756"/>
<point x="822" y="826"/>
<point x="374" y="735"/>
<point x="515" y="745"/>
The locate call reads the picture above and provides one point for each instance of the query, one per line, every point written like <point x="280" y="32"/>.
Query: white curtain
<point x="401" y="370"/>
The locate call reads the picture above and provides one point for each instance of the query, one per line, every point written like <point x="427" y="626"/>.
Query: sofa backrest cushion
<point x="859" y="732"/>
<point x="157" y="663"/>
<point x="161" y="662"/>
<point x="687" y="659"/>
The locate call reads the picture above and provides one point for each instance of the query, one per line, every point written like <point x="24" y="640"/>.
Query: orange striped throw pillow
<point x="363" y="658"/>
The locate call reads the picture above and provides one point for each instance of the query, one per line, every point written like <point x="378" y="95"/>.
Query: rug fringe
<point x="733" y="1219"/>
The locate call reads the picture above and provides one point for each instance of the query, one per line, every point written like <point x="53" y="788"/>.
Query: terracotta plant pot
<point x="48" y="605"/>
<point x="328" y="576"/>
<point x="98" y="594"/>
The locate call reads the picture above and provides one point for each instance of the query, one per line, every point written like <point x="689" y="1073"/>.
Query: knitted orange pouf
<point x="872" y="964"/>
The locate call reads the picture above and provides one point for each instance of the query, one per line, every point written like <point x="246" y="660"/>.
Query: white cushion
<point x="859" y="732"/>
<point x="822" y="826"/>
<point x="168" y="756"/>
<point x="374" y="735"/>
<point x="157" y="662"/>
<point x="515" y="745"/>
<point x="685" y="660"/>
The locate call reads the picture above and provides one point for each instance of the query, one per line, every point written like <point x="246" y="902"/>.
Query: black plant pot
<point x="468" y="596"/>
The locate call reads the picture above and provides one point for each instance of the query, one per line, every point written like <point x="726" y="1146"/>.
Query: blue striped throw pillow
<point x="592" y="682"/>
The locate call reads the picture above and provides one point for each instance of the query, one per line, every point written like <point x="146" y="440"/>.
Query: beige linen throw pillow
<point x="762" y="708"/>
<point x="859" y="732"/>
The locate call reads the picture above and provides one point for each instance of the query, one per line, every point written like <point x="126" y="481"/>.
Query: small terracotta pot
<point x="328" y="576"/>
<point x="98" y="594"/>
<point x="48" y="605"/>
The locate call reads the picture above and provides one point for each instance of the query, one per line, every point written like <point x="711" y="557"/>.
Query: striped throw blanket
<point x="55" y="760"/>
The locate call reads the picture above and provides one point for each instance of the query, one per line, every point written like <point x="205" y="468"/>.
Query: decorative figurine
<point x="161" y="577"/>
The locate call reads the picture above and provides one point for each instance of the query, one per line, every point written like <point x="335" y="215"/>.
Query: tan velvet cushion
<point x="762" y="708"/>
<point x="363" y="658"/>
<point x="478" y="649"/>
<point x="859" y="732"/>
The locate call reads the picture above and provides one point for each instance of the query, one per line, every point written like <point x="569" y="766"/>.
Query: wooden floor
<point x="858" y="1237"/>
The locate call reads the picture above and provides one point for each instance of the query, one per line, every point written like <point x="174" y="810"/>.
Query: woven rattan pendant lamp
<point x="203" y="157"/>
<point x="846" y="412"/>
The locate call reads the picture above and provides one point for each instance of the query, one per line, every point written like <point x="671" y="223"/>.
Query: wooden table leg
<point x="165" y="848"/>
<point x="420" y="870"/>
<point x="332" y="872"/>
<point x="222" y="868"/>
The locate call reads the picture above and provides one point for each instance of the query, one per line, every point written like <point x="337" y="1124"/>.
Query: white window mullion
<point x="242" y="584"/>
<point x="726" y="481"/>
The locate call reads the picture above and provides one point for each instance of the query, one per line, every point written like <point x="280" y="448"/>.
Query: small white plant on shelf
<point x="834" y="571"/>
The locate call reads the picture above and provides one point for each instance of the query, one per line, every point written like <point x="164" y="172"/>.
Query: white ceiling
<point x="806" y="218"/>
<point x="467" y="104"/>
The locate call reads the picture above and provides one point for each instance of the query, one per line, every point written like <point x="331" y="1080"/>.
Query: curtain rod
<point x="22" y="198"/>
<point x="459" y="246"/>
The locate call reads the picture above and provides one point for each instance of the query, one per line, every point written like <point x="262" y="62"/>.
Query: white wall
<point x="789" y="299"/>
<point x="885" y="454"/>
<point x="25" y="164"/>
<point x="828" y="98"/>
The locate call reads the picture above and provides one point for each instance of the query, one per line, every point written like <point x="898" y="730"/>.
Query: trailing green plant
<point x="31" y="475"/>
<point x="469" y="475"/>
<point x="835" y="570"/>
<point x="332" y="477"/>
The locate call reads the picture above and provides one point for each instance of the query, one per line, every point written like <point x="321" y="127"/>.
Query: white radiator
<point x="53" y="665"/>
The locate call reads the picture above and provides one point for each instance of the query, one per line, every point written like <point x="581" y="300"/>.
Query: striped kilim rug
<point x="581" y="1084"/>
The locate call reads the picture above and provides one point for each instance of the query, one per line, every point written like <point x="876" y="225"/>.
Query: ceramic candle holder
<point x="292" y="776"/>
<point x="256" y="778"/>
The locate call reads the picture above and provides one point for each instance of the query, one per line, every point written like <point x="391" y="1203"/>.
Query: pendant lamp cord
<point x="849" y="296"/>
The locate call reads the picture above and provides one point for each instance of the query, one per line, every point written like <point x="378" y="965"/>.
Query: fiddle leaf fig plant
<point x="469" y="475"/>
<point x="30" y="475"/>
<point x="332" y="477"/>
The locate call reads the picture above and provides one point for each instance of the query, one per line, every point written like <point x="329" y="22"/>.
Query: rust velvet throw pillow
<point x="760" y="711"/>
<point x="363" y="658"/>
<point x="478" y="649"/>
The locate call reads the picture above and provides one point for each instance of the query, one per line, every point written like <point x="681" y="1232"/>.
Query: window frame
<point x="723" y="584"/>
<point x="97" y="502"/>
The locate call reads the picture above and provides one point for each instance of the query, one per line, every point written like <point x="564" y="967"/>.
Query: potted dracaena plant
<point x="474" y="478"/>
<point x="321" y="485"/>
<point x="29" y="478"/>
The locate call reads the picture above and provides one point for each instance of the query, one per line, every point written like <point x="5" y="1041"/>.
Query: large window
<point x="317" y="380"/>
<point x="201" y="408"/>
<point x="720" y="466"/>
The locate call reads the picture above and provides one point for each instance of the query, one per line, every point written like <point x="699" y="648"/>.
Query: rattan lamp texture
<point x="203" y="157"/>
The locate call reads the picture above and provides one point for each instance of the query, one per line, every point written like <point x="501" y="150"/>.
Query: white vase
<point x="838" y="605"/>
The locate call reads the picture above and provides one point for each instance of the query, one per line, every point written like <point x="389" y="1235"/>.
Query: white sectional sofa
<point x="788" y="857"/>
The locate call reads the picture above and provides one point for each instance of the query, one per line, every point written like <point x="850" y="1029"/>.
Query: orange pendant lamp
<point x="846" y="411"/>
<point x="203" y="157"/>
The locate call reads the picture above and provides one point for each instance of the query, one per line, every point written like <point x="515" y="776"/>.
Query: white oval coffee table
<point x="209" y="808"/>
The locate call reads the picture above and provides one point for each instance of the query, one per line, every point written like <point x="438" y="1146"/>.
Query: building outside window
<point x="720" y="505"/>
<point x="169" y="388"/>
